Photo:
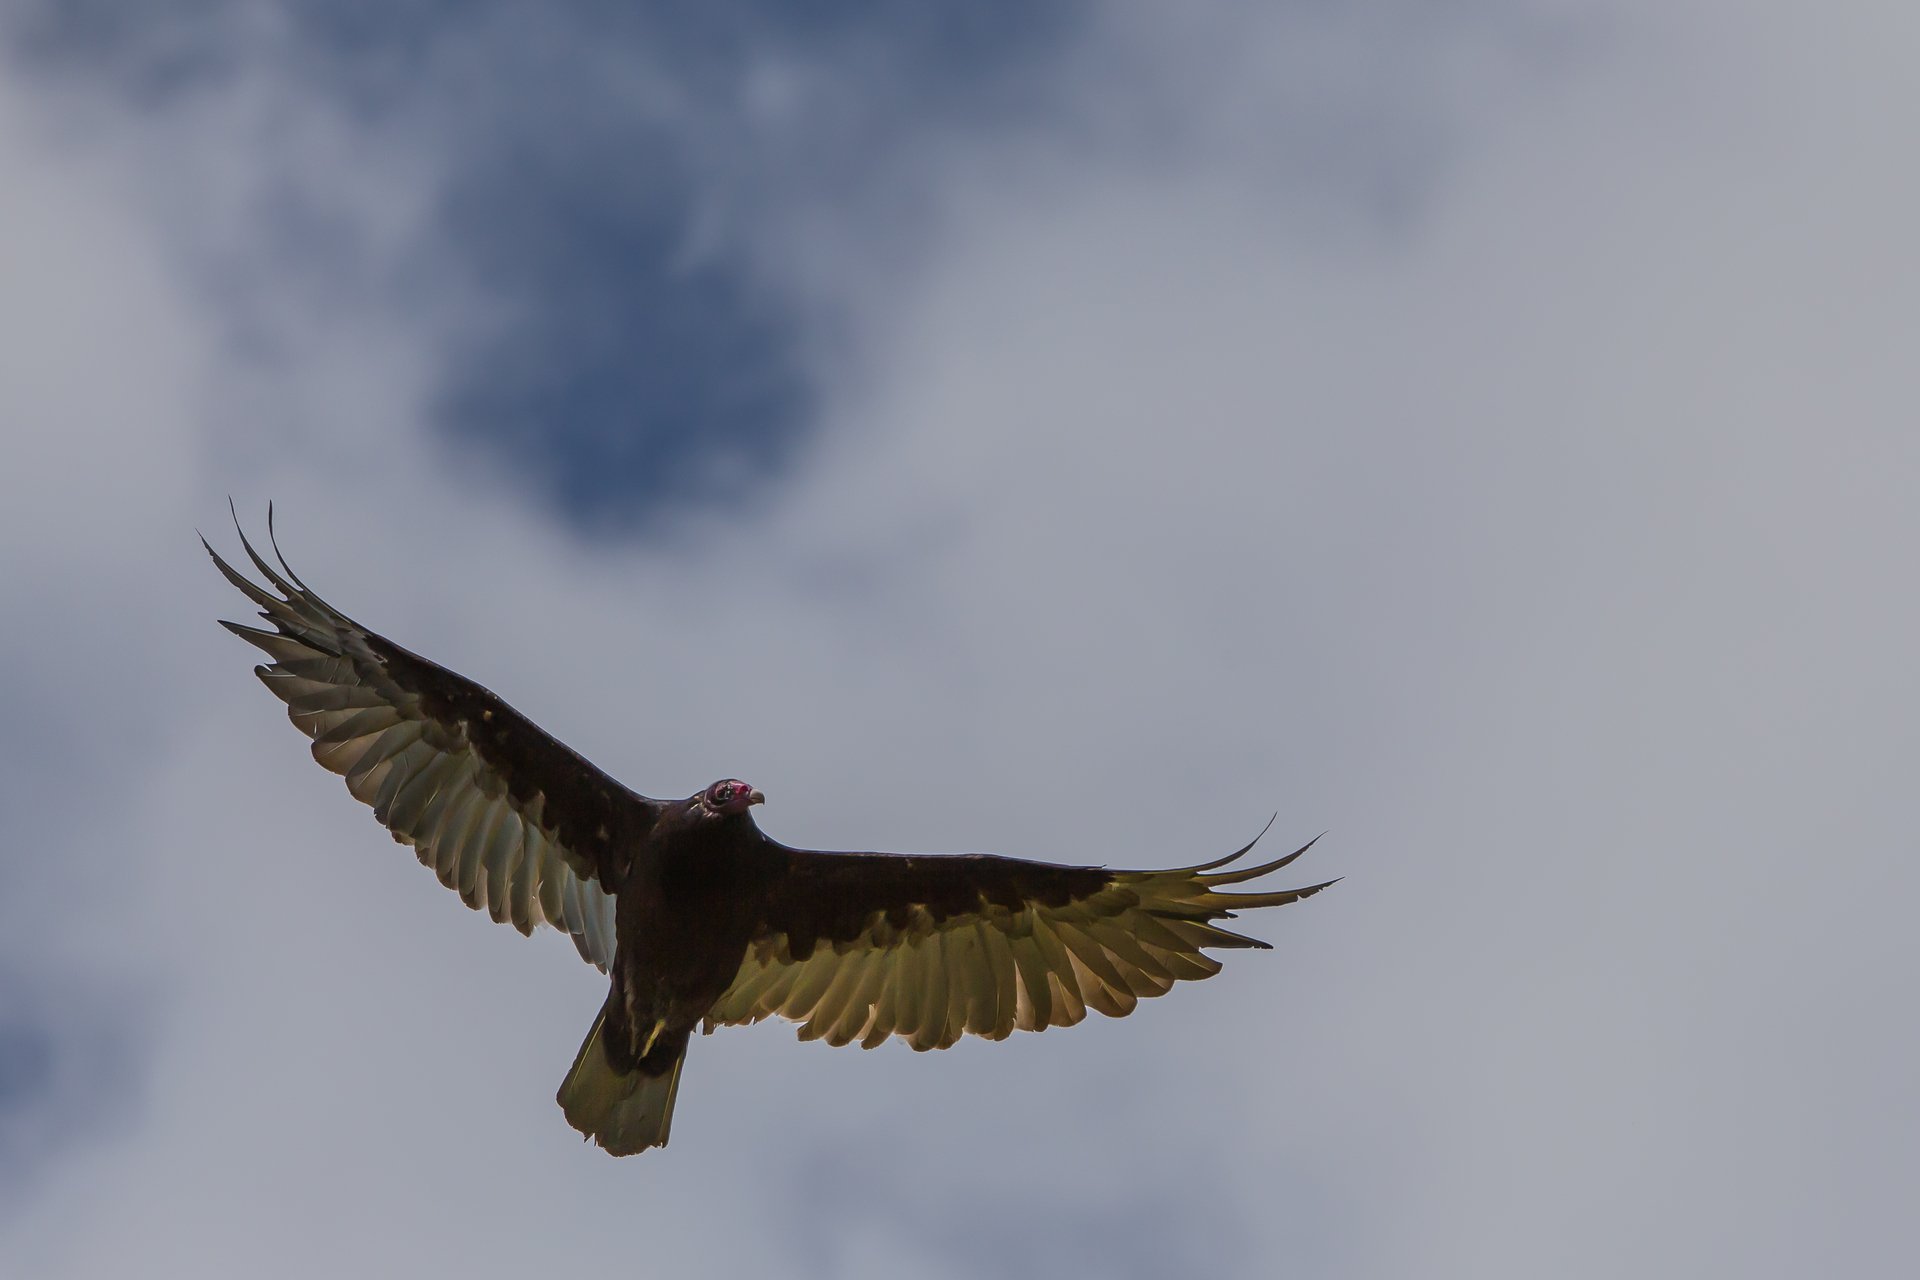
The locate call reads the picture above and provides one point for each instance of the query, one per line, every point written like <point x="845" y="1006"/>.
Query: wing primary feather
<point x="1089" y="953"/>
<point x="1241" y="852"/>
<point x="1069" y="1008"/>
<point x="1123" y="946"/>
<point x="1069" y="1004"/>
<point x="250" y="589"/>
<point x="294" y="607"/>
<point x="1199" y="933"/>
<point x="1141" y="983"/>
<point x="1188" y="964"/>
<point x="302" y="694"/>
<point x="1148" y="929"/>
<point x="292" y="653"/>
<point x="1239" y="874"/>
<point x="266" y="570"/>
<point x="305" y="590"/>
<point x="1104" y="990"/>
<point x="1145" y="975"/>
<point x="1231" y="902"/>
<point x="360" y="724"/>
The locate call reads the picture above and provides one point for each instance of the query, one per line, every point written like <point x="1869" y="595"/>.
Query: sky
<point x="1484" y="433"/>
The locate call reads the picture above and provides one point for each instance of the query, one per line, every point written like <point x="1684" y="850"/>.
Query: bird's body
<point x="697" y="917"/>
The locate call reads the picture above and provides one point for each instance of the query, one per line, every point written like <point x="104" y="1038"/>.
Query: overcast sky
<point x="1485" y="433"/>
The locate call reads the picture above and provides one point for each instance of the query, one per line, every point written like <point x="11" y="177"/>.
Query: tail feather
<point x="622" y="1111"/>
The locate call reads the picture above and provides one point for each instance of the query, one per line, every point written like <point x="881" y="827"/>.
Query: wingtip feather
<point x="1239" y="853"/>
<point x="1239" y="874"/>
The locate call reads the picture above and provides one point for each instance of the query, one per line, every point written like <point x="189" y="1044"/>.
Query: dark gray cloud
<point x="595" y="171"/>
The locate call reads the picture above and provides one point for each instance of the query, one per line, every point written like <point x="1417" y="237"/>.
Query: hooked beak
<point x="754" y="797"/>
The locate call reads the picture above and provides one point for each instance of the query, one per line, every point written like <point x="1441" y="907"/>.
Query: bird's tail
<point x="624" y="1110"/>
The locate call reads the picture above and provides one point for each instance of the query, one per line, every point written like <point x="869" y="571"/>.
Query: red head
<point x="730" y="795"/>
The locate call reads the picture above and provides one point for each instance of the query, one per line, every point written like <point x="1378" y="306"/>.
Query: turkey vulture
<point x="698" y="918"/>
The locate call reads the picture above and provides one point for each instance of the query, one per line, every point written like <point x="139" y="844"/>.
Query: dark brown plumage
<point x="700" y="920"/>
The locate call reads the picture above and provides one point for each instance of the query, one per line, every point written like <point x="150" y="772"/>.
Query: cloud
<point x="1514" y="484"/>
<point x="617" y="321"/>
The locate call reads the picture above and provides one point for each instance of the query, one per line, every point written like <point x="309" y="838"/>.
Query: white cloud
<point x="1543" y="539"/>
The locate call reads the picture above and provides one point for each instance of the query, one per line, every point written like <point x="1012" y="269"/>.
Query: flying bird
<point x="698" y="919"/>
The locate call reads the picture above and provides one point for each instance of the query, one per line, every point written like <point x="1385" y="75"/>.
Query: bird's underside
<point x="698" y="918"/>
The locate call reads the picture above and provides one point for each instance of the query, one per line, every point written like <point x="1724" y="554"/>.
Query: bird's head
<point x="727" y="797"/>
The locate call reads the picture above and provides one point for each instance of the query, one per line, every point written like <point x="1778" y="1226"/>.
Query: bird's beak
<point x="754" y="797"/>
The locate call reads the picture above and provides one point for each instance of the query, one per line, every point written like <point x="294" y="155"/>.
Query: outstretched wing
<point x="515" y="822"/>
<point x="863" y="946"/>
